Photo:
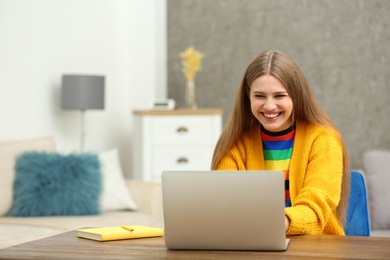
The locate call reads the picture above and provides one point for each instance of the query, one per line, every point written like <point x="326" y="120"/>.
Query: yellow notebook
<point x="119" y="232"/>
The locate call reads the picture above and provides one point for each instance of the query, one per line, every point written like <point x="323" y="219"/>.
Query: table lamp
<point x="82" y="92"/>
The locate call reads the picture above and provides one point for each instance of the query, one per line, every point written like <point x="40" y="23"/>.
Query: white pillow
<point x="377" y="168"/>
<point x="115" y="193"/>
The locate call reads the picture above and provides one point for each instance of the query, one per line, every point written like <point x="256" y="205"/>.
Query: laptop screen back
<point x="224" y="210"/>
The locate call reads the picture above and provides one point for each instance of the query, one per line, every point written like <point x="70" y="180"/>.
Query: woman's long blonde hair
<point x="305" y="109"/>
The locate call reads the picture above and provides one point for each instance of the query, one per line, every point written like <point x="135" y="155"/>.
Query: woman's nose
<point x="269" y="104"/>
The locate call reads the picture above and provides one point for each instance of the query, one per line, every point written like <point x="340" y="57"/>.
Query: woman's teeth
<point x="271" y="115"/>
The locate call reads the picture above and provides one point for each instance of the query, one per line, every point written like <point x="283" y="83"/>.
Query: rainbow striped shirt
<point x="277" y="148"/>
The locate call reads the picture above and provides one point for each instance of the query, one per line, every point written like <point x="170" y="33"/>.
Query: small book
<point x="119" y="232"/>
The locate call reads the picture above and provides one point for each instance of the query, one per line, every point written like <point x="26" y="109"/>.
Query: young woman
<point x="276" y="124"/>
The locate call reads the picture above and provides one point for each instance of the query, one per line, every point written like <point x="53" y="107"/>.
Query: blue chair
<point x="358" y="219"/>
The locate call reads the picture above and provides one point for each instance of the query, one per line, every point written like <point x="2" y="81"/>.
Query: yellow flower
<point x="192" y="62"/>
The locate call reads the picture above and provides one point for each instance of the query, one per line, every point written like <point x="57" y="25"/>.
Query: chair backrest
<point x="358" y="218"/>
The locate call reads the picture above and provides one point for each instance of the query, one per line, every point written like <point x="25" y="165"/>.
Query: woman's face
<point x="270" y="103"/>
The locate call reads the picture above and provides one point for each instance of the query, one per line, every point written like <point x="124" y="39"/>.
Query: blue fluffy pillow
<point x="51" y="184"/>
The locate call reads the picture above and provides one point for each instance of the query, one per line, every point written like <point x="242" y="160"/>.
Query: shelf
<point x="200" y="111"/>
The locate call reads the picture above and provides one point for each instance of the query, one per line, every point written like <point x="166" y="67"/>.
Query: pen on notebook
<point x="128" y="228"/>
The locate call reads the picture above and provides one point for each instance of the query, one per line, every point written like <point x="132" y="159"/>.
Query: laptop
<point x="224" y="210"/>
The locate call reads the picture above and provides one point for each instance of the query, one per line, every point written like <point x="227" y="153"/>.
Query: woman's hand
<point x="287" y="222"/>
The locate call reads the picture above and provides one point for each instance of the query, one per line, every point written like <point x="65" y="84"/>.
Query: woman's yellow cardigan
<point x="315" y="175"/>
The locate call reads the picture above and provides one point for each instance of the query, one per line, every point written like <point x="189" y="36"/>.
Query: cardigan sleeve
<point x="317" y="185"/>
<point x="232" y="160"/>
<point x="245" y="154"/>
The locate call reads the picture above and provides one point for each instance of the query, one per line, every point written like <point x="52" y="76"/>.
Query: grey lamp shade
<point x="82" y="92"/>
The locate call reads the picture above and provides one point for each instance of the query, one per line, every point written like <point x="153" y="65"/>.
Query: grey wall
<point x="342" y="47"/>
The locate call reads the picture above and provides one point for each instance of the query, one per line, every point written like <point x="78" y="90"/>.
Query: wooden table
<point x="68" y="246"/>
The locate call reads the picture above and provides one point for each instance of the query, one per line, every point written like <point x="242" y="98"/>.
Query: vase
<point x="190" y="95"/>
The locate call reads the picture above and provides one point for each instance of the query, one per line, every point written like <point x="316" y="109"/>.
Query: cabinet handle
<point x="182" y="160"/>
<point x="182" y="130"/>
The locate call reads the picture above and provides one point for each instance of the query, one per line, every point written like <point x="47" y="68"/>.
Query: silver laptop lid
<point x="224" y="210"/>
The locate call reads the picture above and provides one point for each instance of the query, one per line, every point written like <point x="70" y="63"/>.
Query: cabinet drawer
<point x="172" y="130"/>
<point x="177" y="159"/>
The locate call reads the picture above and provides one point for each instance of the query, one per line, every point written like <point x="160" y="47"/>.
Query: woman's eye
<point x="259" y="96"/>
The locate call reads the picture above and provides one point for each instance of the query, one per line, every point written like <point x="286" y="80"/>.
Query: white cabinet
<point x="179" y="139"/>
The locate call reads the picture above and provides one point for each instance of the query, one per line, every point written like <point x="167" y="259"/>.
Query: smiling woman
<point x="276" y="124"/>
